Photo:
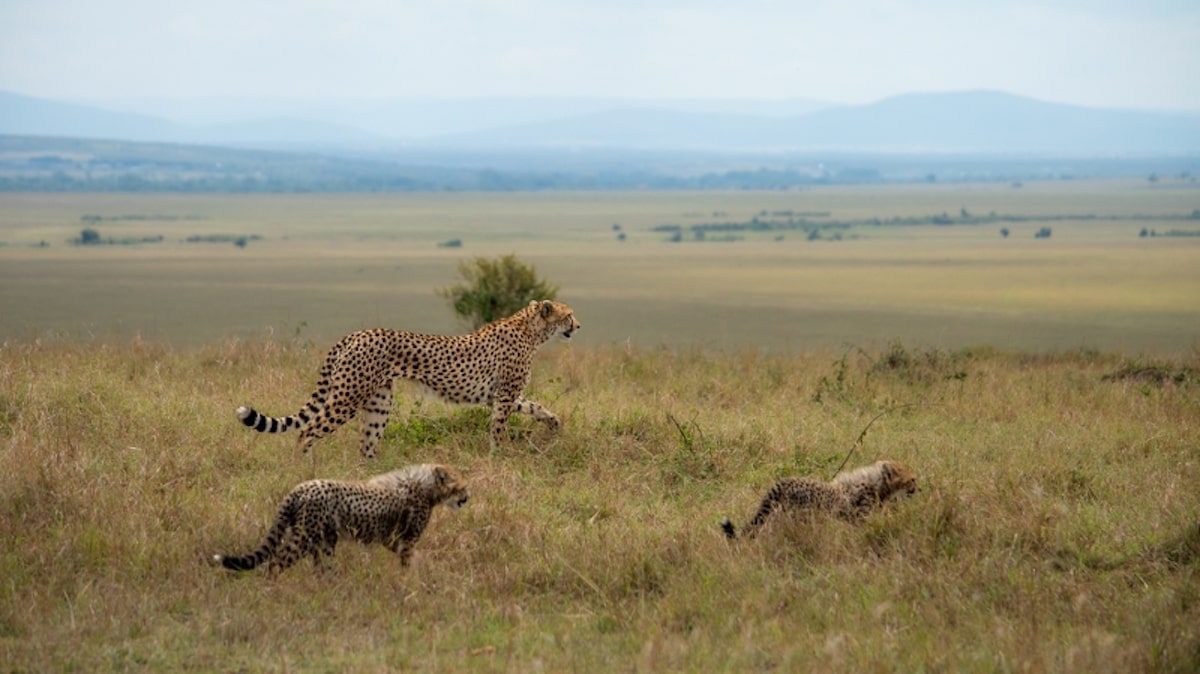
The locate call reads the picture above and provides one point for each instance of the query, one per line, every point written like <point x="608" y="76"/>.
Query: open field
<point x="328" y="264"/>
<point x="1056" y="530"/>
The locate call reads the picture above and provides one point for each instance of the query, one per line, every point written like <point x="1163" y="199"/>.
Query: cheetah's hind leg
<point x="337" y="410"/>
<point x="375" y="418"/>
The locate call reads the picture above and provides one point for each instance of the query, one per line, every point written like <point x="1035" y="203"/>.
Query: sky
<point x="1141" y="54"/>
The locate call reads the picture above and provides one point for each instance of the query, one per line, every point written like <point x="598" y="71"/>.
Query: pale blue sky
<point x="1139" y="54"/>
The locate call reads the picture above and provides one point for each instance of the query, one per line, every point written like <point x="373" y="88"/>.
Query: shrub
<point x="495" y="288"/>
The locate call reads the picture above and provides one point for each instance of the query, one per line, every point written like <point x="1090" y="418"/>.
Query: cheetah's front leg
<point x="500" y="412"/>
<point x="403" y="547"/>
<point x="527" y="406"/>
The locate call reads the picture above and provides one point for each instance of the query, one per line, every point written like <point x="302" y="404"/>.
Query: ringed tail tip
<point x="727" y="527"/>
<point x="247" y="415"/>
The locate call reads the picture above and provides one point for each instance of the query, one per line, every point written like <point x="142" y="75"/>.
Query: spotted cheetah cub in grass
<point x="490" y="366"/>
<point x="848" y="495"/>
<point x="392" y="509"/>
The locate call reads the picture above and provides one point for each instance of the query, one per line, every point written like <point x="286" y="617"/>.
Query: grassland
<point x="331" y="263"/>
<point x="1056" y="530"/>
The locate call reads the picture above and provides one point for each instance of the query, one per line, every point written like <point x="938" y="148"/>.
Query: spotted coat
<point x="490" y="366"/>
<point x="849" y="495"/>
<point x="392" y="509"/>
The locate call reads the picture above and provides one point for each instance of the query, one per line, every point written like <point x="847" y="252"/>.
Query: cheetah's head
<point x="556" y="318"/>
<point x="898" y="479"/>
<point x="449" y="487"/>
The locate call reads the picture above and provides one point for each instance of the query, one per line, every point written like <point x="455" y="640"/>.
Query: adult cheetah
<point x="489" y="366"/>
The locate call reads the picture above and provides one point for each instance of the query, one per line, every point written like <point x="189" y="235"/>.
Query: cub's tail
<point x="727" y="527"/>
<point x="285" y="519"/>
<point x="265" y="424"/>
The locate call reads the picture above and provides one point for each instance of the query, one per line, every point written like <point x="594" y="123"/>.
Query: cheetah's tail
<point x="285" y="519"/>
<point x="727" y="527"/>
<point x="265" y="424"/>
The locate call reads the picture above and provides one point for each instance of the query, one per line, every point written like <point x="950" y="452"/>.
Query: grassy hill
<point x="1056" y="529"/>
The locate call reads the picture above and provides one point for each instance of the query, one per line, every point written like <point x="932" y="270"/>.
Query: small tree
<point x="89" y="236"/>
<point x="1004" y="232"/>
<point x="495" y="288"/>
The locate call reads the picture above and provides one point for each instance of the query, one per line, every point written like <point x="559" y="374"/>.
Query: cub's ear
<point x="534" y="303"/>
<point x="886" y="469"/>
<point x="547" y="308"/>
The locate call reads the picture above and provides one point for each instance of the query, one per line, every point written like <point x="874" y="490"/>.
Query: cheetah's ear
<point x="886" y="470"/>
<point x="547" y="308"/>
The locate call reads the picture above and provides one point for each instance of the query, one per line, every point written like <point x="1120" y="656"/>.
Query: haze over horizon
<point x="1098" y="54"/>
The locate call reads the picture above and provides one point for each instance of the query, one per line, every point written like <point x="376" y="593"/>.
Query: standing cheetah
<point x="392" y="509"/>
<point x="849" y="495"/>
<point x="490" y="366"/>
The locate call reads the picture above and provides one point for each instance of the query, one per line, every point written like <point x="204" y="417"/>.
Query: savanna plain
<point x="1046" y="391"/>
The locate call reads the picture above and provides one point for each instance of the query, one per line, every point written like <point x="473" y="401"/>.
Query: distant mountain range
<point x="415" y="119"/>
<point x="961" y="122"/>
<point x="957" y="122"/>
<point x="22" y="115"/>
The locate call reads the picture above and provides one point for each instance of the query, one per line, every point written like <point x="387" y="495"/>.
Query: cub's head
<point x="897" y="479"/>
<point x="448" y="487"/>
<point x="437" y="483"/>
<point x="554" y="318"/>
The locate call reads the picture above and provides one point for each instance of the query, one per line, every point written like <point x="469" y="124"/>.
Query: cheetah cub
<point x="848" y="495"/>
<point x="392" y="509"/>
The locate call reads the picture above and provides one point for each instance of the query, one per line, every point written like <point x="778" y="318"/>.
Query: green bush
<point x="495" y="288"/>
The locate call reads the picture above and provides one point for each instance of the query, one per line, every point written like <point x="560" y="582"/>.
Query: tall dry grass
<point x="1058" y="526"/>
